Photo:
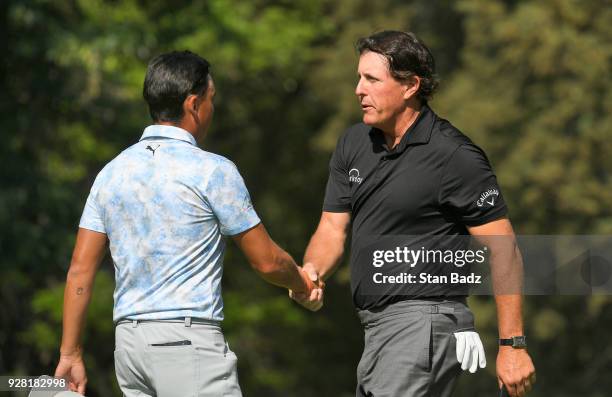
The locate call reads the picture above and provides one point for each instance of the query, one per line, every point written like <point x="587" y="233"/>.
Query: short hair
<point x="407" y="56"/>
<point x="170" y="78"/>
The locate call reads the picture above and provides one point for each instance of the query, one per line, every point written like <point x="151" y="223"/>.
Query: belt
<point x="429" y="306"/>
<point x="185" y="320"/>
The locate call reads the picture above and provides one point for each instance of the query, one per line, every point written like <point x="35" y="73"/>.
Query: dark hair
<point x="170" y="78"/>
<point x="407" y="56"/>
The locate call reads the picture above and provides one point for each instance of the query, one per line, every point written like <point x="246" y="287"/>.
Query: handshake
<point x="311" y="297"/>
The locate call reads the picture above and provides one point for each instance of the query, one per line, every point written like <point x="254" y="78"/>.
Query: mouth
<point x="365" y="107"/>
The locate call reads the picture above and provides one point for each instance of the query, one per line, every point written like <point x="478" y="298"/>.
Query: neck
<point x="401" y="124"/>
<point x="190" y="128"/>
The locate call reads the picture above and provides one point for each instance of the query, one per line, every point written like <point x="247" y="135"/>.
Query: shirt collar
<point x="418" y="133"/>
<point x="168" y="131"/>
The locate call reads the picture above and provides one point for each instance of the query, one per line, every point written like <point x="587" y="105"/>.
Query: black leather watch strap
<point x="517" y="342"/>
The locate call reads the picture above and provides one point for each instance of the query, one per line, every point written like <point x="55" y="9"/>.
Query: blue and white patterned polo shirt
<point x="165" y="205"/>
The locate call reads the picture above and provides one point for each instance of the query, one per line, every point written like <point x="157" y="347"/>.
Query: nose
<point x="359" y="89"/>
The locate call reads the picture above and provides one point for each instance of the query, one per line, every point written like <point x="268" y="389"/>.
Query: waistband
<point x="187" y="321"/>
<point x="429" y="306"/>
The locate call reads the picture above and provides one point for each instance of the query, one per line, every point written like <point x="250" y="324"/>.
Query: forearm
<point x="509" y="315"/>
<point x="324" y="252"/>
<point x="77" y="295"/>
<point x="507" y="271"/>
<point x="282" y="270"/>
<point x="269" y="260"/>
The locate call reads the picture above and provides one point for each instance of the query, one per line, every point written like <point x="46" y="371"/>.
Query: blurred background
<point x="529" y="81"/>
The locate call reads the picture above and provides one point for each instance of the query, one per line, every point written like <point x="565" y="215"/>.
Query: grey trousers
<point x="410" y="349"/>
<point x="174" y="359"/>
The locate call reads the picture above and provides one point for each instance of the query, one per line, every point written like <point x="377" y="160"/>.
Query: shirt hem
<point x="336" y="208"/>
<point x="485" y="219"/>
<point x="234" y="232"/>
<point x="92" y="228"/>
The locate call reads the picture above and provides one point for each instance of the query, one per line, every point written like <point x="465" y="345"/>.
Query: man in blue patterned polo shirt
<point x="164" y="206"/>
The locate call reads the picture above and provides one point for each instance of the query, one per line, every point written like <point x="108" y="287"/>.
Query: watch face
<point x="519" y="341"/>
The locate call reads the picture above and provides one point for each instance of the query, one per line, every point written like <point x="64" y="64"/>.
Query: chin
<point x="369" y="120"/>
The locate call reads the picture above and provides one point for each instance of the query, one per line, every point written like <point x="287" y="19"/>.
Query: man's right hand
<point x="313" y="298"/>
<point x="72" y="368"/>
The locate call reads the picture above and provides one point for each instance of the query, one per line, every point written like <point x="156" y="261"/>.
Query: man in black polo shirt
<point x="405" y="177"/>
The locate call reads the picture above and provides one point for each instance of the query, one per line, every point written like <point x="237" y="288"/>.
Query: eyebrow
<point x="368" y="76"/>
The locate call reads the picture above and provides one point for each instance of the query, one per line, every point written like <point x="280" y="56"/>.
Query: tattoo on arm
<point x="79" y="291"/>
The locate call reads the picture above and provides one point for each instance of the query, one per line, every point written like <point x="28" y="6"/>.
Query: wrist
<point x="505" y="334"/>
<point x="515" y="342"/>
<point x="510" y="351"/>
<point x="302" y="285"/>
<point x="310" y="267"/>
<point x="505" y="349"/>
<point x="72" y="352"/>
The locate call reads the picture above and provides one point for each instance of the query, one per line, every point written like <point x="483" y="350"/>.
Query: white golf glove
<point x="470" y="352"/>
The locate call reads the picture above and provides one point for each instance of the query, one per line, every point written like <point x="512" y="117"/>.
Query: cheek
<point x="391" y="100"/>
<point x="207" y="112"/>
<point x="382" y="101"/>
<point x="383" y="95"/>
<point x="210" y="116"/>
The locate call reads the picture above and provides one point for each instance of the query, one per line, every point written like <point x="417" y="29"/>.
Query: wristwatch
<point x="517" y="342"/>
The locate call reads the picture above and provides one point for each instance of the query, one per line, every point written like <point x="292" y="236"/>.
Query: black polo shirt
<point x="434" y="182"/>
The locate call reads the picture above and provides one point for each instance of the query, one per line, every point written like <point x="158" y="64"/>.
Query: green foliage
<point x="528" y="81"/>
<point x="537" y="76"/>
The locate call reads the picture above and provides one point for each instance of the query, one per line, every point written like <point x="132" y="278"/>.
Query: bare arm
<point x="322" y="255"/>
<point x="326" y="246"/>
<point x="514" y="366"/>
<point x="88" y="253"/>
<point x="270" y="261"/>
<point x="507" y="274"/>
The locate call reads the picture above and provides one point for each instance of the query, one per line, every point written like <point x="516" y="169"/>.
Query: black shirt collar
<point x="418" y="133"/>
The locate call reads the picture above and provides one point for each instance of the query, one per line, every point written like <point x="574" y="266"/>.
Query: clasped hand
<point x="311" y="299"/>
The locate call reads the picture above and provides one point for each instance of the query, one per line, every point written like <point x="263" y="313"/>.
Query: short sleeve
<point x="338" y="191"/>
<point x="230" y="200"/>
<point x="92" y="218"/>
<point x="469" y="188"/>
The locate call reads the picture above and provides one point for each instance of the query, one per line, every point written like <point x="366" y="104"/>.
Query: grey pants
<point x="181" y="358"/>
<point x="410" y="349"/>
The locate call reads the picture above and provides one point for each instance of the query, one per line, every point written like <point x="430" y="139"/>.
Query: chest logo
<point x="354" y="176"/>
<point x="488" y="197"/>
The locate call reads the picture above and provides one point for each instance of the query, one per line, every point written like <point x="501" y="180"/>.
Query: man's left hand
<point x="515" y="370"/>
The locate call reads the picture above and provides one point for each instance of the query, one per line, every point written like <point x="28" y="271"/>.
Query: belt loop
<point x="134" y="323"/>
<point x="434" y="309"/>
<point x="187" y="321"/>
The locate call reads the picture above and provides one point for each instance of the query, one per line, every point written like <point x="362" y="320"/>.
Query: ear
<point x="412" y="87"/>
<point x="190" y="106"/>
